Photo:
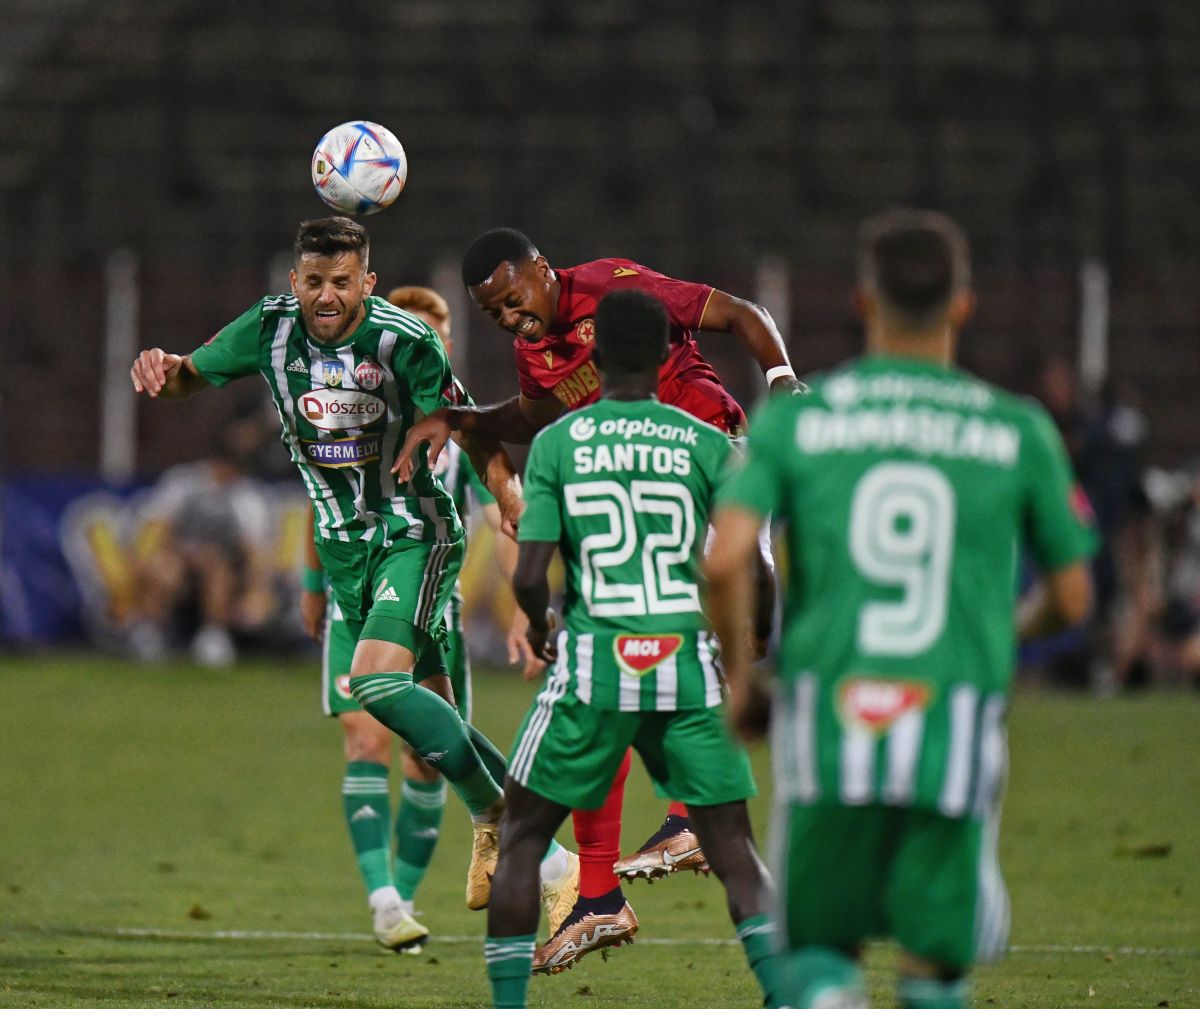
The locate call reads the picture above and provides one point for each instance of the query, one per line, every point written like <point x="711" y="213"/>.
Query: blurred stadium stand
<point x="696" y="138"/>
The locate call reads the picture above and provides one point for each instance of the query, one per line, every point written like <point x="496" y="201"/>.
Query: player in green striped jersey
<point x="349" y="374"/>
<point x="908" y="488"/>
<point x="366" y="801"/>
<point x="622" y="489"/>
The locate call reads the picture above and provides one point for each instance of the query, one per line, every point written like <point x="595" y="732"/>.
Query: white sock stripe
<point x="367" y="697"/>
<point x="767" y="928"/>
<point x="424" y="800"/>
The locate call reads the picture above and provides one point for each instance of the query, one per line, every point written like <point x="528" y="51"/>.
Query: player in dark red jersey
<point x="551" y="314"/>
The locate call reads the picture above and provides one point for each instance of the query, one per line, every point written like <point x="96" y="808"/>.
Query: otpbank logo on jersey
<point x="344" y="451"/>
<point x="875" y="705"/>
<point x="637" y="654"/>
<point x="341" y="409"/>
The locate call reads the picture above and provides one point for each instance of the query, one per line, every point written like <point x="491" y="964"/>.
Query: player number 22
<point x="902" y="535"/>
<point x="601" y="553"/>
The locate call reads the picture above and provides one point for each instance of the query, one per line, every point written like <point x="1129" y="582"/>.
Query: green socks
<point x="432" y="728"/>
<point x="417" y="825"/>
<point x="368" y="812"/>
<point x="820" y="975"/>
<point x="928" y="993"/>
<point x="757" y="935"/>
<point x="508" y="963"/>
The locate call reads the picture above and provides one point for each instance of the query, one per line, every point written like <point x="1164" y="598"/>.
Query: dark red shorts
<point x="707" y="399"/>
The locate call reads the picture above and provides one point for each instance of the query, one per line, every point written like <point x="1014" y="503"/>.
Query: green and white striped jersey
<point x="624" y="488"/>
<point x="345" y="409"/>
<point x="908" y="490"/>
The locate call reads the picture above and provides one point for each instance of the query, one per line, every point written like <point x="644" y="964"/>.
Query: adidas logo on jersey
<point x="364" y="813"/>
<point x="298" y="366"/>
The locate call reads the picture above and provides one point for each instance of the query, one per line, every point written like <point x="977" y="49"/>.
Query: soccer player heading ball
<point x="349" y="374"/>
<point x="906" y="486"/>
<point x="636" y="664"/>
<point x="551" y="314"/>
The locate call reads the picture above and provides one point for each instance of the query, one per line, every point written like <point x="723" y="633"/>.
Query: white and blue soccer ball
<point x="359" y="167"/>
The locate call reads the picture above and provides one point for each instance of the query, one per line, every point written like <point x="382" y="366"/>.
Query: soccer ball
<point x="359" y="167"/>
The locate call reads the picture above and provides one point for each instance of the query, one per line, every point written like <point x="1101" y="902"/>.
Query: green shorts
<point x="394" y="593"/>
<point x="568" y="751"/>
<point x="448" y="656"/>
<point x="846" y="874"/>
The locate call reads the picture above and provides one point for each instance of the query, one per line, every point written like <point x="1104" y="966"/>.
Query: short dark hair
<point x="632" y="331"/>
<point x="915" y="260"/>
<point x="489" y="250"/>
<point x="329" y="236"/>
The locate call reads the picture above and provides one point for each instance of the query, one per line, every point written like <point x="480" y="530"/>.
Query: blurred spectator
<point x="1105" y="442"/>
<point x="1171" y="647"/>
<point x="207" y="566"/>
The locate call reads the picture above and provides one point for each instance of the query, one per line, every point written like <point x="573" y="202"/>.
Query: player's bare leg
<point x="725" y="832"/>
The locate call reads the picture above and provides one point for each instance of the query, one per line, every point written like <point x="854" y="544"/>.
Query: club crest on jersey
<point x="876" y="704"/>
<point x="332" y="372"/>
<point x="368" y="375"/>
<point x="637" y="654"/>
<point x="585" y="332"/>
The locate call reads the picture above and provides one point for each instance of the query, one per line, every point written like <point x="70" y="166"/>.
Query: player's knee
<point x="366" y="739"/>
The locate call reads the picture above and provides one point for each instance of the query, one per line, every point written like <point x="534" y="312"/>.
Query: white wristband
<point x="779" y="371"/>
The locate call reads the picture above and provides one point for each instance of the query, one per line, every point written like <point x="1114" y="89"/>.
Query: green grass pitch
<point x="149" y="815"/>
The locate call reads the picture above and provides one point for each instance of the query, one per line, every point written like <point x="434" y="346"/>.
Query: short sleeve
<point x="234" y="352"/>
<point x="422" y="364"/>
<point x="1059" y="526"/>
<point x="684" y="301"/>
<point x="755" y="477"/>
<point x="541" y="522"/>
<point x="530" y="387"/>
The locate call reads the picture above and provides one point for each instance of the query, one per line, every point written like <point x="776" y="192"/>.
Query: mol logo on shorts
<point x="876" y="704"/>
<point x="637" y="654"/>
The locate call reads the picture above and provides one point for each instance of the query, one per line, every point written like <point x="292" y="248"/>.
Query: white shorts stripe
<point x="555" y="687"/>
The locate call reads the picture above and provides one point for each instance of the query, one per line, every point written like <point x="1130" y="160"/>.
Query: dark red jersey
<point x="561" y="365"/>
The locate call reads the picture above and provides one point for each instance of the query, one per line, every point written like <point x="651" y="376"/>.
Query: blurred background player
<point x="551" y="314"/>
<point x="392" y="884"/>
<point x="207" y="526"/>
<point x="333" y="357"/>
<point x="636" y="664"/>
<point x="906" y="486"/>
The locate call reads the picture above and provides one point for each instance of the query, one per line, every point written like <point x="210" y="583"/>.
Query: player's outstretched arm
<point x="731" y="605"/>
<point x="531" y="586"/>
<point x="515" y="421"/>
<point x="519" y="649"/>
<point x="165" y="376"/>
<point x="499" y="476"/>
<point x="756" y="331"/>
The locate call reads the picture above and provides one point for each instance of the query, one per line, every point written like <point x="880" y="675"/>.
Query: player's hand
<point x="749" y="708"/>
<point x="312" y="613"/>
<point x="789" y="385"/>
<point x="435" y="430"/>
<point x="153" y="369"/>
<point x="520" y="650"/>
<point x="511" y="508"/>
<point x="539" y="637"/>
